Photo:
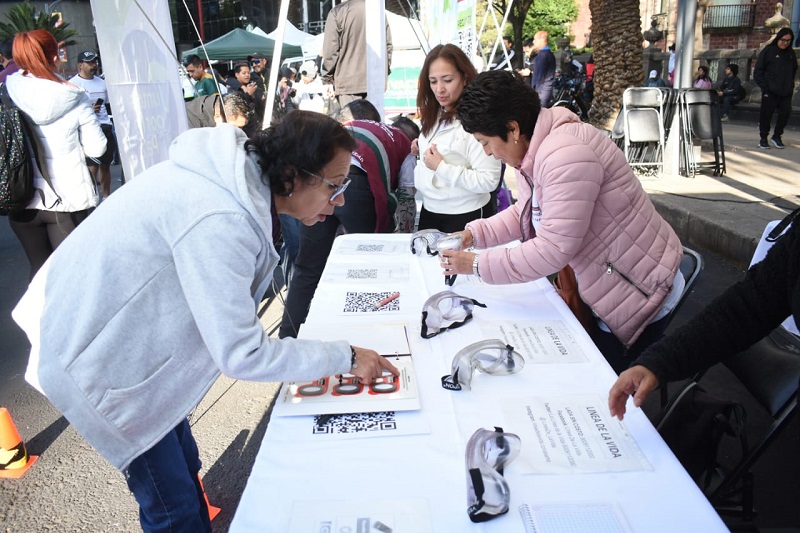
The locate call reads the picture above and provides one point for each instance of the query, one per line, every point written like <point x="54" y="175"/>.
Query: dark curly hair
<point x="494" y="99"/>
<point x="302" y="143"/>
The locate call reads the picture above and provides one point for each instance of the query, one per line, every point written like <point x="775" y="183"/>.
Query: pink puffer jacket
<point x="595" y="217"/>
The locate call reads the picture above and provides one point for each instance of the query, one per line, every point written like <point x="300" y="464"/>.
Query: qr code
<point x="362" y="273"/>
<point x="354" y="423"/>
<point x="369" y="248"/>
<point x="368" y="302"/>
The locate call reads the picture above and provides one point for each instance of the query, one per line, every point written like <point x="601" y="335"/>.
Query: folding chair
<point x="643" y="126"/>
<point x="701" y="120"/>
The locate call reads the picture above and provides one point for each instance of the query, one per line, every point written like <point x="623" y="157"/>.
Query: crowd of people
<point x="169" y="302"/>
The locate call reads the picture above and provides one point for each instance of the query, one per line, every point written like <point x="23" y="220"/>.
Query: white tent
<point x="407" y="34"/>
<point x="291" y="35"/>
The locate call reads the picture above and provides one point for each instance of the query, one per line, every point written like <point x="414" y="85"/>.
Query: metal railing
<point x="736" y="16"/>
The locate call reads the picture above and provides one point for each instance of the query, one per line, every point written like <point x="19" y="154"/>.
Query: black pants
<point x="451" y="223"/>
<point x="40" y="232"/>
<point x="615" y="352"/>
<point x="357" y="215"/>
<point x="769" y="104"/>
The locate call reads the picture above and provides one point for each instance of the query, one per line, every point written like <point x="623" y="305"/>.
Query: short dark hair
<point x="407" y="126"/>
<point x="734" y="68"/>
<point x="238" y="66"/>
<point x="302" y="143"/>
<point x="235" y="105"/>
<point x="494" y="99"/>
<point x="195" y="60"/>
<point x="527" y="42"/>
<point x="361" y="109"/>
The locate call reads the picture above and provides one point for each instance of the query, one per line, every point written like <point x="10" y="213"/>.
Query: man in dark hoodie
<point x="774" y="73"/>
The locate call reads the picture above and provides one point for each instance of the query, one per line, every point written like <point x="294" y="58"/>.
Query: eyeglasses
<point x="446" y="306"/>
<point x="492" y="356"/>
<point x="487" y="455"/>
<point x="337" y="189"/>
<point x="785" y="40"/>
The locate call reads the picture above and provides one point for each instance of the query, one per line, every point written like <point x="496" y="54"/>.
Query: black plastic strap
<point x="776" y="232"/>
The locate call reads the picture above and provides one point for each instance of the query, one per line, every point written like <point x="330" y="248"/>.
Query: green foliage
<point x="551" y="16"/>
<point x="23" y="17"/>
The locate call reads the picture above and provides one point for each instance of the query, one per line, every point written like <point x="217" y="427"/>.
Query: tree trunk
<point x="617" y="43"/>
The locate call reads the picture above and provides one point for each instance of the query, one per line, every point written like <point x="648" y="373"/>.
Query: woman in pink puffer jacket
<point x="580" y="205"/>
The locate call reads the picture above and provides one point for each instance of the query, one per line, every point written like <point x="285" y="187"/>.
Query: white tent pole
<point x="276" y="64"/>
<point x="376" y="53"/>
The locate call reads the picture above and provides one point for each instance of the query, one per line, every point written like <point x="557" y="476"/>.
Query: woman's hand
<point x="638" y="380"/>
<point x="370" y="365"/>
<point x="432" y="157"/>
<point x="415" y="147"/>
<point x="456" y="262"/>
<point x="466" y="238"/>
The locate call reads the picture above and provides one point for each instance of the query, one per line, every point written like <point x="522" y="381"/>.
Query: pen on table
<point x="385" y="301"/>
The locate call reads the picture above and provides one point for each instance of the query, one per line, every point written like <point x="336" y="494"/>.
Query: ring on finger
<point x="446" y="260"/>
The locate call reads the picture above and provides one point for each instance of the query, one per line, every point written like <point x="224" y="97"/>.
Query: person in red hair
<point x="68" y="131"/>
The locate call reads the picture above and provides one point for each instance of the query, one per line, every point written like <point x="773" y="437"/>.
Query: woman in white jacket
<point x="455" y="178"/>
<point x="68" y="131"/>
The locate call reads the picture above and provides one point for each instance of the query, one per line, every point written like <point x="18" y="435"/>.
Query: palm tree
<point x="617" y="41"/>
<point x="23" y="17"/>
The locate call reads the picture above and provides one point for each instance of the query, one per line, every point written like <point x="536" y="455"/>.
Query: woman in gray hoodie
<point x="156" y="294"/>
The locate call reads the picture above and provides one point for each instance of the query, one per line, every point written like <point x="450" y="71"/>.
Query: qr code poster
<point x="367" y="302"/>
<point x="346" y="393"/>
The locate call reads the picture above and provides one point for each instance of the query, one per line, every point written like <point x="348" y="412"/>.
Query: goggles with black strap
<point x="443" y="307"/>
<point x="492" y="356"/>
<point x="488" y="453"/>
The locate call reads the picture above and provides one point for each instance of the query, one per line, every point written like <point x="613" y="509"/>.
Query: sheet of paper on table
<point x="372" y="247"/>
<point x="376" y="516"/>
<point x="573" y="518"/>
<point x="345" y="393"/>
<point x="543" y="341"/>
<point x="571" y="434"/>
<point x="364" y="273"/>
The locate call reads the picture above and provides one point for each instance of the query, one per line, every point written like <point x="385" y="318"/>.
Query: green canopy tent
<point x="238" y="44"/>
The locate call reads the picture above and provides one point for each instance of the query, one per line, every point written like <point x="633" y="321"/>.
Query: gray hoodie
<point x="156" y="293"/>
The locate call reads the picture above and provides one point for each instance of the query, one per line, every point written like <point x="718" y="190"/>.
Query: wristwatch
<point x="475" y="266"/>
<point x="353" y="363"/>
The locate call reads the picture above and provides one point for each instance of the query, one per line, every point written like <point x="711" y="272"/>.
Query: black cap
<point x="256" y="55"/>
<point x="87" y="57"/>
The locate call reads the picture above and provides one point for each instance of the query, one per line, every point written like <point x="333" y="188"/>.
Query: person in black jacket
<point x="774" y="73"/>
<point x="731" y="90"/>
<point x="742" y="315"/>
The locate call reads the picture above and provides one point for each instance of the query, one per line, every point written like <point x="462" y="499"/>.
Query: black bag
<point x="18" y="151"/>
<point x="741" y="93"/>
<point x="693" y="426"/>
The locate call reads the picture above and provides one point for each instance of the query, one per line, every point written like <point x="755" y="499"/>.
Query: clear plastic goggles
<point x="446" y="307"/>
<point x="434" y="241"/>
<point x="493" y="357"/>
<point x="488" y="453"/>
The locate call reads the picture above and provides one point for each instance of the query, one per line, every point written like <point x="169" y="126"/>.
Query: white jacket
<point x="463" y="180"/>
<point x="69" y="131"/>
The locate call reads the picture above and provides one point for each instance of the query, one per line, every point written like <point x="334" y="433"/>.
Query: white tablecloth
<point x="429" y="468"/>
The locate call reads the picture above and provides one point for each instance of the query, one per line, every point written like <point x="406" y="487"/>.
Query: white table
<point x="429" y="468"/>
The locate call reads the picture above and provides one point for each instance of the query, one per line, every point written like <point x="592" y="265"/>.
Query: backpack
<point x="18" y="151"/>
<point x="741" y="93"/>
<point x="693" y="426"/>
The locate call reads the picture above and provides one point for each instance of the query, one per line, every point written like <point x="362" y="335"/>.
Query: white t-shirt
<point x="96" y="87"/>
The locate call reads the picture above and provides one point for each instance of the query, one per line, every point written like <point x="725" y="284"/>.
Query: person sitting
<point x="731" y="91"/>
<point x="742" y="315"/>
<point x="655" y="80"/>
<point x="581" y="205"/>
<point x="702" y="81"/>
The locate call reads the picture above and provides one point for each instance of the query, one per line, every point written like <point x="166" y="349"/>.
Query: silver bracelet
<point x="475" y="266"/>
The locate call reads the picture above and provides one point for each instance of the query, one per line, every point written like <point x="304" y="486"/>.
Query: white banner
<point x="141" y="70"/>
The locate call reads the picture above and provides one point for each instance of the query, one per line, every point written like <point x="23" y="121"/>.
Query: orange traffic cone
<point x="212" y="511"/>
<point x="14" y="458"/>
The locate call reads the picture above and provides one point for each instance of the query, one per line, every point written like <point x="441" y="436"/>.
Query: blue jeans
<point x="615" y="352"/>
<point x="290" y="229"/>
<point x="164" y="481"/>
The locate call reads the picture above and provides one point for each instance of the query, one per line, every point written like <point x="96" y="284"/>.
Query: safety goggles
<point x="446" y="307"/>
<point x="434" y="241"/>
<point x="492" y="356"/>
<point x="488" y="453"/>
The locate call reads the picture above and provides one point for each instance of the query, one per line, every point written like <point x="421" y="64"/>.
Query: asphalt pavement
<point x="71" y="488"/>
